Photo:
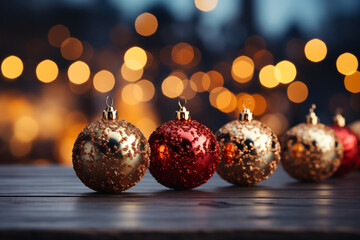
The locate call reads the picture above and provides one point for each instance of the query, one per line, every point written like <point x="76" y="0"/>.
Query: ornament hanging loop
<point x="313" y="107"/>
<point x="246" y="114"/>
<point x="109" y="101"/>
<point x="109" y="113"/>
<point x="311" y="117"/>
<point x="184" y="100"/>
<point x="339" y="119"/>
<point x="244" y="105"/>
<point x="183" y="113"/>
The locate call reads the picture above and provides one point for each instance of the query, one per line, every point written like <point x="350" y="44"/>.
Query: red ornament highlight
<point x="184" y="153"/>
<point x="355" y="128"/>
<point x="349" y="141"/>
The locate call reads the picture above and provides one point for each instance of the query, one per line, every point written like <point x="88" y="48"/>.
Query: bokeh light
<point x="144" y="55"/>
<point x="75" y="121"/>
<point x="19" y="148"/>
<point x="201" y="80"/>
<point x="14" y="107"/>
<point x="297" y="92"/>
<point x="242" y="69"/>
<point x="131" y="75"/>
<point x="180" y="74"/>
<point x="50" y="120"/>
<point x="104" y="81"/>
<point x="315" y="50"/>
<point x="172" y="86"/>
<point x="143" y="115"/>
<point x="226" y="101"/>
<point x="269" y="76"/>
<point x="189" y="89"/>
<point x="135" y="58"/>
<point x="206" y="5"/>
<point x="216" y="80"/>
<point x="148" y="90"/>
<point x="132" y="94"/>
<point x="260" y="104"/>
<point x="182" y="53"/>
<point x="287" y="71"/>
<point x="146" y="125"/>
<point x="47" y="71"/>
<point x="146" y="24"/>
<point x="12" y="67"/>
<point x="262" y="58"/>
<point x="352" y="82"/>
<point x="276" y="121"/>
<point x="213" y="95"/>
<point x="347" y="63"/>
<point x="57" y="34"/>
<point x="26" y="129"/>
<point x="71" y="48"/>
<point x="78" y="72"/>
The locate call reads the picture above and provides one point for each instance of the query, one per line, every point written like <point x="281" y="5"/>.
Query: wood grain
<point x="50" y="202"/>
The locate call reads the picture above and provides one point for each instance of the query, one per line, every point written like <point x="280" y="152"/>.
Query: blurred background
<point x="61" y="58"/>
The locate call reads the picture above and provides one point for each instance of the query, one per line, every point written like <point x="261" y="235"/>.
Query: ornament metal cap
<point x="183" y="113"/>
<point x="338" y="119"/>
<point x="311" y="117"/>
<point x="109" y="113"/>
<point x="246" y="114"/>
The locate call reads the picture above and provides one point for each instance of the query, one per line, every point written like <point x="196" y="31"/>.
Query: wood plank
<point x="234" y="234"/>
<point x="51" y="202"/>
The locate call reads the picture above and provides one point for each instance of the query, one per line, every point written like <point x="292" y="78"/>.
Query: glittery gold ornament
<point x="111" y="155"/>
<point x="249" y="150"/>
<point x="311" y="151"/>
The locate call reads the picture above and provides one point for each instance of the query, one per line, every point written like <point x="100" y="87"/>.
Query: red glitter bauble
<point x="184" y="154"/>
<point x="355" y="127"/>
<point x="350" y="143"/>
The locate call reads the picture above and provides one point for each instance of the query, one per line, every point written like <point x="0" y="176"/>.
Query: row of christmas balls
<point x="112" y="155"/>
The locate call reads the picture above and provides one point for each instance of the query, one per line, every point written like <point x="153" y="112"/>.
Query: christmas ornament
<point x="355" y="127"/>
<point x="311" y="151"/>
<point x="110" y="155"/>
<point x="184" y="153"/>
<point x="249" y="150"/>
<point x="349" y="141"/>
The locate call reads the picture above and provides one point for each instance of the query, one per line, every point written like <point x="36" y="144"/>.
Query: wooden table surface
<point x="50" y="202"/>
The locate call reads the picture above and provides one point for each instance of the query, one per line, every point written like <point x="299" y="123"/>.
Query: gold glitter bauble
<point x="111" y="155"/>
<point x="311" y="151"/>
<point x="249" y="151"/>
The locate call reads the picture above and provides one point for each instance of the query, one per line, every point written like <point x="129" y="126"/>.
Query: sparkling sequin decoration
<point x="349" y="141"/>
<point x="111" y="155"/>
<point x="311" y="152"/>
<point x="184" y="154"/>
<point x="249" y="150"/>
